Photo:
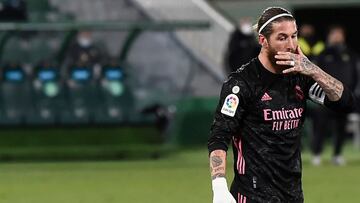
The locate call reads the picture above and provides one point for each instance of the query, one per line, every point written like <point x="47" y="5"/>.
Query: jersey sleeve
<point x="228" y="114"/>
<point x="346" y="104"/>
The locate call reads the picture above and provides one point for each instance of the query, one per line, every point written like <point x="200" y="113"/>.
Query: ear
<point x="263" y="41"/>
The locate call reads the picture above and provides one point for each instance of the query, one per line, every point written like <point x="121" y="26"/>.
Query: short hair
<point x="269" y="13"/>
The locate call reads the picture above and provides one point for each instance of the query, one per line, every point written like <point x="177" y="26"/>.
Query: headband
<point x="273" y="18"/>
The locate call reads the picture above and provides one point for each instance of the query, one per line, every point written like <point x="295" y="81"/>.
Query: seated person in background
<point x="84" y="50"/>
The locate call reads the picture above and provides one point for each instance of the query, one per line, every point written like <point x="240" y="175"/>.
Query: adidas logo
<point x="266" y="97"/>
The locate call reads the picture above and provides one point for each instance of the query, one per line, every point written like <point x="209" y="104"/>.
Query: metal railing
<point x="71" y="28"/>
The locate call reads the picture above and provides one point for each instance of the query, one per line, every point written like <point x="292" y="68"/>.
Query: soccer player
<point x="261" y="111"/>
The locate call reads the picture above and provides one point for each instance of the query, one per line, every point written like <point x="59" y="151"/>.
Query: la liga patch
<point x="230" y="105"/>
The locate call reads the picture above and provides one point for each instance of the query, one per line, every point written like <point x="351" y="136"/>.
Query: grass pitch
<point x="181" y="177"/>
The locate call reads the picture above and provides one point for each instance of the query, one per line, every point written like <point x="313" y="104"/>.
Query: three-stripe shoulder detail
<point x="317" y="94"/>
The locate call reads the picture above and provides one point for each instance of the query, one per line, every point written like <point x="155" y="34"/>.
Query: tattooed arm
<point x="223" y="127"/>
<point x="220" y="189"/>
<point x="217" y="163"/>
<point x="332" y="87"/>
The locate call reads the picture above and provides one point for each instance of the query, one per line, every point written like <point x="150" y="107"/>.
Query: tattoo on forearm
<point x="218" y="175"/>
<point x="219" y="169"/>
<point x="217" y="163"/>
<point x="332" y="87"/>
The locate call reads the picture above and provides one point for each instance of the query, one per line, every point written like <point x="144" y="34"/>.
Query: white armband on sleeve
<point x="317" y="94"/>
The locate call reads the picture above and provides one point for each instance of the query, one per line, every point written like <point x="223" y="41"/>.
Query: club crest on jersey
<point x="230" y="105"/>
<point x="299" y="93"/>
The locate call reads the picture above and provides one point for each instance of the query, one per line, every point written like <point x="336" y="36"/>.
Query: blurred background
<point x="112" y="100"/>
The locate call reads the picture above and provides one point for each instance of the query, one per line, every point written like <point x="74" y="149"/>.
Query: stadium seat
<point x="116" y="95"/>
<point x="82" y="96"/>
<point x="48" y="95"/>
<point x="15" y="95"/>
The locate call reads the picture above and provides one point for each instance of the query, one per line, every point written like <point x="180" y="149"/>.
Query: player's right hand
<point x="221" y="192"/>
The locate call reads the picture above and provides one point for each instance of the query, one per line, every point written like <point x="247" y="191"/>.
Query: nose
<point x="291" y="45"/>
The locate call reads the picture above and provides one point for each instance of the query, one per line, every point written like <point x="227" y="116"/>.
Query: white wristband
<point x="219" y="184"/>
<point x="221" y="193"/>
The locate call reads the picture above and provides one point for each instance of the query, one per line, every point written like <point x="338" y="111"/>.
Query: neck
<point x="268" y="65"/>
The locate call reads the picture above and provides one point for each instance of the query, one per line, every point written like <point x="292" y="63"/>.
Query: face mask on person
<point x="84" y="41"/>
<point x="246" y="28"/>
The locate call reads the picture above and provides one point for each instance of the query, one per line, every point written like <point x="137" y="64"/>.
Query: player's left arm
<point x="335" y="91"/>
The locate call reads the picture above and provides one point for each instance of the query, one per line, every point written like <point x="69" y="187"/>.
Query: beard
<point x="271" y="56"/>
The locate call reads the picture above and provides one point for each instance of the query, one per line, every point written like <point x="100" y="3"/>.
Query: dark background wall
<point x="321" y="13"/>
<point x="323" y="17"/>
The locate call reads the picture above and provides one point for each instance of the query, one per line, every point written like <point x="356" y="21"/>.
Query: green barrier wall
<point x="123" y="142"/>
<point x="192" y="122"/>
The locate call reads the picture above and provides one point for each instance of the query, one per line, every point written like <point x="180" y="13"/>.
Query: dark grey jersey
<point x="262" y="115"/>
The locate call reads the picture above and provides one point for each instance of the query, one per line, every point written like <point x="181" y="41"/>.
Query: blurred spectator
<point x="308" y="41"/>
<point x="163" y="114"/>
<point x="339" y="61"/>
<point x="13" y="10"/>
<point x="85" y="51"/>
<point x="242" y="46"/>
